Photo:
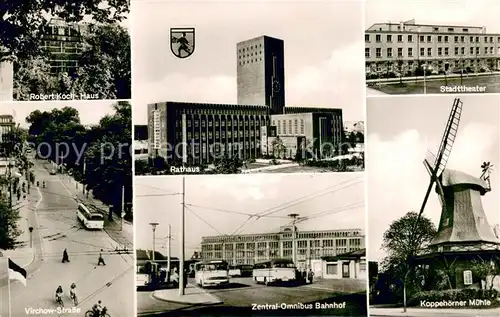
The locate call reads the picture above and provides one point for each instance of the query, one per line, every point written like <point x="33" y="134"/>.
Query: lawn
<point x="492" y="84"/>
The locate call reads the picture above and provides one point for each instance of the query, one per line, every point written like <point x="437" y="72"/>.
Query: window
<point x="367" y="52"/>
<point x="485" y="39"/>
<point x="462" y="39"/>
<point x="440" y="51"/>
<point x="400" y="38"/>
<point x="378" y="52"/>
<point x="465" y="30"/>
<point x="422" y="51"/>
<point x="422" y="38"/>
<point x="389" y="38"/>
<point x="463" y="50"/>
<point x="472" y="50"/>
<point x="467" y="277"/>
<point x="377" y="37"/>
<point x="367" y="38"/>
<point x="410" y="52"/>
<point x="331" y="269"/>
<point x="440" y="38"/>
<point x="471" y="39"/>
<point x="446" y="39"/>
<point x="429" y="51"/>
<point x="410" y="38"/>
<point x="456" y="50"/>
<point x="456" y="39"/>
<point x="429" y="38"/>
<point x="296" y="126"/>
<point x="400" y="52"/>
<point x="301" y="126"/>
<point x="389" y="52"/>
<point x="451" y="29"/>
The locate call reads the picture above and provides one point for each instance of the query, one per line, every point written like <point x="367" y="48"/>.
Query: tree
<point x="278" y="147"/>
<point x="228" y="165"/>
<point x="22" y="23"/>
<point x="106" y="69"/>
<point x="32" y="76"/>
<point x="402" y="240"/>
<point x="486" y="270"/>
<point x="9" y="216"/>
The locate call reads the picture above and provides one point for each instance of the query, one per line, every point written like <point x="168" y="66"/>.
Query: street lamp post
<point x="153" y="226"/>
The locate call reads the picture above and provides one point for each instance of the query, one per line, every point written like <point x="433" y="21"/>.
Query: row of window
<point x="300" y="235"/>
<point x="221" y="134"/>
<point x="218" y="148"/>
<point x="282" y="126"/>
<point x="265" y="255"/>
<point x="429" y="38"/>
<point x="211" y="123"/>
<point x="250" y="48"/>
<point x="250" y="61"/>
<point x="441" y="51"/>
<point x="285" y="244"/>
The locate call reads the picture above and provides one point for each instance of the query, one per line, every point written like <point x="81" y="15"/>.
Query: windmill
<point x="439" y="162"/>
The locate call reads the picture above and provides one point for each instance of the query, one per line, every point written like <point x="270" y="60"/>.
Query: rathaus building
<point x="198" y="133"/>
<point x="256" y="248"/>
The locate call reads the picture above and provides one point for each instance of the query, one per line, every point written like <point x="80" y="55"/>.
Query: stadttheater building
<point x="403" y="47"/>
<point x="198" y="133"/>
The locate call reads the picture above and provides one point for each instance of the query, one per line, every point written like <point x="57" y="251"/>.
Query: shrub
<point x="453" y="295"/>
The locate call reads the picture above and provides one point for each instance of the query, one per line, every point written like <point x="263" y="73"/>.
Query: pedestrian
<point x="65" y="256"/>
<point x="101" y="260"/>
<point x="310" y="276"/>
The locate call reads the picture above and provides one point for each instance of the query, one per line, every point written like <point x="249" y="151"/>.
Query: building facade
<point x="310" y="246"/>
<point x="348" y="265"/>
<point x="319" y="132"/>
<point x="6" y="125"/>
<point x="405" y="47"/>
<point x="193" y="133"/>
<point x="64" y="42"/>
<point x="6" y="81"/>
<point x="260" y="73"/>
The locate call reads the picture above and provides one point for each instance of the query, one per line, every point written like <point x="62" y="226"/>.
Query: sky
<point x="452" y="12"/>
<point x="337" y="200"/>
<point x="324" y="59"/>
<point x="400" y="131"/>
<point x="90" y="111"/>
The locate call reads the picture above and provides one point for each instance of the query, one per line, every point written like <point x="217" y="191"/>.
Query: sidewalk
<point x="23" y="255"/>
<point x="426" y="312"/>
<point x="193" y="296"/>
<point x="268" y="168"/>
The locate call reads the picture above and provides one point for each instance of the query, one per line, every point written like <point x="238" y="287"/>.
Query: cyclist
<point x="72" y="292"/>
<point x="98" y="309"/>
<point x="59" y="293"/>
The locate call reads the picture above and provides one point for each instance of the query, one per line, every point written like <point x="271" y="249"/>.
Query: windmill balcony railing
<point x="460" y="248"/>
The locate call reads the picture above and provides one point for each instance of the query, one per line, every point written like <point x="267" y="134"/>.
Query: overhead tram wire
<point x="301" y="200"/>
<point x="232" y="212"/>
<point x="158" y="195"/>
<point x="153" y="187"/>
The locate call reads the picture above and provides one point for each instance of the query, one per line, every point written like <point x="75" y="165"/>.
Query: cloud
<point x="397" y="179"/>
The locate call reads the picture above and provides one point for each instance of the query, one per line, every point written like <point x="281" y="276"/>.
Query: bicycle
<point x="74" y="299"/>
<point x="90" y="313"/>
<point x="59" y="300"/>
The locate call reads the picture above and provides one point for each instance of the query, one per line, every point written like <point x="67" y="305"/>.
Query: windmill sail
<point x="439" y="163"/>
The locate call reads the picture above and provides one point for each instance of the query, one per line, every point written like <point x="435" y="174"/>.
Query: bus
<point x="274" y="271"/>
<point x="245" y="270"/>
<point x="211" y="273"/>
<point x="91" y="220"/>
<point x="145" y="274"/>
<point x="234" y="271"/>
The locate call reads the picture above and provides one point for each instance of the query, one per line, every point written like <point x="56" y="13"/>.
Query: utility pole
<point x="182" y="255"/>
<point x="169" y="237"/>
<point x="123" y="208"/>
<point x="153" y="226"/>
<point x="294" y="246"/>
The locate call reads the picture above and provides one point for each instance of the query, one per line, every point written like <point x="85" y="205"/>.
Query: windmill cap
<point x="455" y="178"/>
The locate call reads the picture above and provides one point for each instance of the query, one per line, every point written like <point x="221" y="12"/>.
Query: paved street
<point x="57" y="228"/>
<point x="239" y="297"/>
<point x="424" y="312"/>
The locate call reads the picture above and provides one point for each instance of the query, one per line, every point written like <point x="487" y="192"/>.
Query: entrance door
<point x="446" y="67"/>
<point x="345" y="270"/>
